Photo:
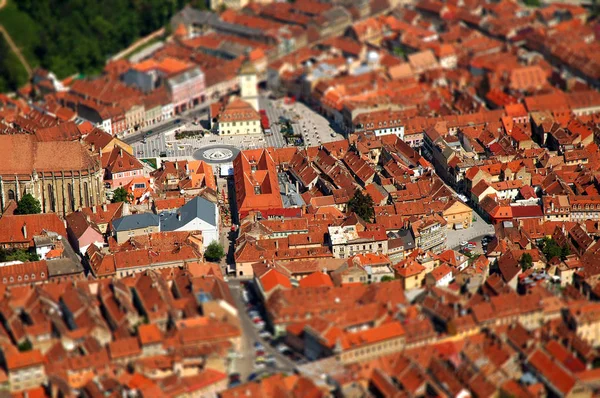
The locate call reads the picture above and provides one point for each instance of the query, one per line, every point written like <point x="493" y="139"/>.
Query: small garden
<point x="189" y="134"/>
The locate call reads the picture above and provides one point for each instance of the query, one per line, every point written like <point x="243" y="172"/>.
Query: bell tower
<point x="248" y="84"/>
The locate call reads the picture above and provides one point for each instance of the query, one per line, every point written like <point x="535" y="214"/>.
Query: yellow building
<point x="411" y="273"/>
<point x="458" y="215"/>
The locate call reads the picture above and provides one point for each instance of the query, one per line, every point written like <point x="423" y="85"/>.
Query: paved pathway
<point x="138" y="43"/>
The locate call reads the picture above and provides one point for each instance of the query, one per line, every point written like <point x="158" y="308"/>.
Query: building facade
<point x="62" y="184"/>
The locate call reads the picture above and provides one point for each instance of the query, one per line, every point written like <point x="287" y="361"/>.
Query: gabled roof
<point x="22" y="228"/>
<point x="316" y="279"/>
<point x="195" y="208"/>
<point x="136" y="221"/>
<point x="273" y="278"/>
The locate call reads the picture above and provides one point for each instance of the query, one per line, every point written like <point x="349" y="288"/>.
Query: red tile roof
<point x="22" y="228"/>
<point x="316" y="279"/>
<point x="20" y="360"/>
<point x="273" y="278"/>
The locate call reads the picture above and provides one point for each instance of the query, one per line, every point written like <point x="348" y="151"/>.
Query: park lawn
<point x="22" y="29"/>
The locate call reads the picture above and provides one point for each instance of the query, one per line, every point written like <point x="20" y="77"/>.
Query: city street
<point x="245" y="364"/>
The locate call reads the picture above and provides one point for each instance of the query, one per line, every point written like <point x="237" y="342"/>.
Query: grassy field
<point x="22" y="29"/>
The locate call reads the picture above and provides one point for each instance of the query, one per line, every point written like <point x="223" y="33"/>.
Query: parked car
<point x="258" y="346"/>
<point x="464" y="243"/>
<point x="265" y="335"/>
<point x="271" y="361"/>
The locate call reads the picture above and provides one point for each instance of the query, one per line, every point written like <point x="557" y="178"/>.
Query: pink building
<point x="120" y="167"/>
<point x="187" y="89"/>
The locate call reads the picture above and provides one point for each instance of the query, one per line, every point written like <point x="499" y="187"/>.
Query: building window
<point x="71" y="205"/>
<point x="51" y="196"/>
<point x="11" y="194"/>
<point x="86" y="192"/>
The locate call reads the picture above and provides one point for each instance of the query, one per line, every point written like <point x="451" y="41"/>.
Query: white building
<point x="238" y="117"/>
<point x="198" y="214"/>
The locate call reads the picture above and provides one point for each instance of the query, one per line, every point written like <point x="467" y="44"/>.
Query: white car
<point x="464" y="243"/>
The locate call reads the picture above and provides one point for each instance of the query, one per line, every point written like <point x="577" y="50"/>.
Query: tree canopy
<point x="526" y="261"/>
<point x="120" y="195"/>
<point x="214" y="252"/>
<point x="17" y="255"/>
<point x="28" y="205"/>
<point x="362" y="205"/>
<point x="78" y="36"/>
<point x="552" y="249"/>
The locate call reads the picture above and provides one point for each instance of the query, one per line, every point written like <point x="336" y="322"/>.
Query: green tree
<point x="362" y="205"/>
<point x="17" y="255"/>
<point x="387" y="278"/>
<point x="25" y="346"/>
<point x="214" y="252"/>
<point x="28" y="205"/>
<point x="550" y="248"/>
<point x="526" y="261"/>
<point x="120" y="195"/>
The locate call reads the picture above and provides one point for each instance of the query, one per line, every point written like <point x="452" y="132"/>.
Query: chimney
<point x="276" y="244"/>
<point x="104" y="207"/>
<point x="120" y="152"/>
<point x="94" y="209"/>
<point x="93" y="147"/>
<point x="25" y="230"/>
<point x="179" y="216"/>
<point x="176" y="165"/>
<point x="287" y="190"/>
<point x="552" y="205"/>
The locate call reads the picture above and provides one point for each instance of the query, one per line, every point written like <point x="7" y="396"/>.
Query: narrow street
<point x="245" y="364"/>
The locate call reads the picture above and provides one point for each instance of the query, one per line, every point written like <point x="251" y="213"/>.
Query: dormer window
<point x="257" y="190"/>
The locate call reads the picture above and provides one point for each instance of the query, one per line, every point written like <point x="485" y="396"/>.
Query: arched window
<point x="11" y="194"/>
<point x="71" y="203"/>
<point x="51" y="196"/>
<point x="86" y="192"/>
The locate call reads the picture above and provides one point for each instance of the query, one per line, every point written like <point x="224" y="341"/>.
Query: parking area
<point x="261" y="353"/>
<point x="161" y="141"/>
<point x="478" y="230"/>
